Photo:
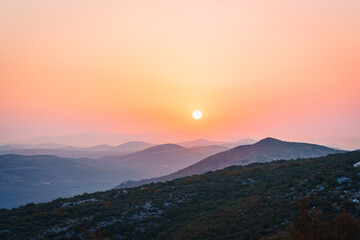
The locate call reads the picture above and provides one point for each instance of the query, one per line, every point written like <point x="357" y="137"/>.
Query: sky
<point x="287" y="69"/>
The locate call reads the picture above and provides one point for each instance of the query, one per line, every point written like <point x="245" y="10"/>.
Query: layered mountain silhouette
<point x="31" y="146"/>
<point x="96" y="138"/>
<point x="134" y="146"/>
<point x="97" y="151"/>
<point x="163" y="159"/>
<point x="43" y="178"/>
<point x="204" y="142"/>
<point x="40" y="178"/>
<point x="233" y="203"/>
<point x="266" y="150"/>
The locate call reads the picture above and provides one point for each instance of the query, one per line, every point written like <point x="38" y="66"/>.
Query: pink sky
<point x="288" y="69"/>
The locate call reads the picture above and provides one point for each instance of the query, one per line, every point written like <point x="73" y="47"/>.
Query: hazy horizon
<point x="90" y="139"/>
<point x="180" y="119"/>
<point x="253" y="68"/>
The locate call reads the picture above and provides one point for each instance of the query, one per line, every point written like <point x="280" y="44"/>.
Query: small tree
<point x="312" y="225"/>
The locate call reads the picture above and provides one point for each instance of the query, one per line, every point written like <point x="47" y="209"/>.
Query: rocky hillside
<point x="239" y="202"/>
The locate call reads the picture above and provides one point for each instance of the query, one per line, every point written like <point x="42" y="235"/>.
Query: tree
<point x="313" y="225"/>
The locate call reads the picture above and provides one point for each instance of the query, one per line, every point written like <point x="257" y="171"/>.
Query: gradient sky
<point x="282" y="68"/>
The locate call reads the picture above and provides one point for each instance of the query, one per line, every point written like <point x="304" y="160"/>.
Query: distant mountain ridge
<point x="42" y="178"/>
<point x="164" y="158"/>
<point x="265" y="150"/>
<point x="31" y="146"/>
<point x="97" y="138"/>
<point x="134" y="146"/>
<point x="204" y="142"/>
<point x="131" y="146"/>
<point x="97" y="151"/>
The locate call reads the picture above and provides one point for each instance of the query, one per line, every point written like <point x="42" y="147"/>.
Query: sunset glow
<point x="256" y="68"/>
<point x="197" y="114"/>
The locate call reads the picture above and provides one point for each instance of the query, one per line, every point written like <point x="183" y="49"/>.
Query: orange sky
<point x="288" y="69"/>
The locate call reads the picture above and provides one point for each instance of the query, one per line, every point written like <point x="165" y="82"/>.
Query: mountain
<point x="101" y="147"/>
<point x="68" y="152"/>
<point x="133" y="146"/>
<point x="42" y="178"/>
<point x="112" y="139"/>
<point x="204" y="142"/>
<point x="263" y="151"/>
<point x="31" y="146"/>
<point x="200" y="143"/>
<point x="97" y="151"/>
<point x="245" y="141"/>
<point x="239" y="202"/>
<point x="82" y="139"/>
<point x="97" y="138"/>
<point x="163" y="159"/>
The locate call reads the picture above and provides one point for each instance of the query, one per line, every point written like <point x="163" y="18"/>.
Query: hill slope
<point x="239" y="202"/>
<point x="265" y="150"/>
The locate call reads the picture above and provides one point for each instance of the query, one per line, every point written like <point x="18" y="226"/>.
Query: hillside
<point x="265" y="150"/>
<point x="163" y="159"/>
<point x="239" y="202"/>
<point x="43" y="178"/>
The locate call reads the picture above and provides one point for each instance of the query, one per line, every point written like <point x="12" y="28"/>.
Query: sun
<point x="197" y="114"/>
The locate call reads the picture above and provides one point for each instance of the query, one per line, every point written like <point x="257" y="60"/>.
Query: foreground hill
<point x="265" y="150"/>
<point x="43" y="178"/>
<point x="163" y="159"/>
<point x="239" y="202"/>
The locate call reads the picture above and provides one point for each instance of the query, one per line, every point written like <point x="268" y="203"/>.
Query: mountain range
<point x="163" y="159"/>
<point x="43" y="178"/>
<point x="180" y="138"/>
<point x="97" y="151"/>
<point x="204" y="142"/>
<point x="238" y="202"/>
<point x="266" y="150"/>
<point x="97" y="138"/>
